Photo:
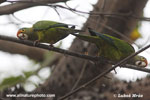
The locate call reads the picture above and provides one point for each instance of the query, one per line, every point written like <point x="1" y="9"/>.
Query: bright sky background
<point x="15" y="64"/>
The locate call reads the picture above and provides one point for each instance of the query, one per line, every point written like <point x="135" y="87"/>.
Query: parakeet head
<point x="140" y="61"/>
<point x="23" y="33"/>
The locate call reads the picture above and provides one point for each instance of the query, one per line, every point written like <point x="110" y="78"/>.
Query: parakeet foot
<point x="73" y="27"/>
<point x="86" y="53"/>
<point x="36" y="42"/>
<point x="51" y="46"/>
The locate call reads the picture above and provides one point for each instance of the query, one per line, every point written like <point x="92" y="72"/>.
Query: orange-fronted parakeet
<point x="46" y="32"/>
<point x="113" y="48"/>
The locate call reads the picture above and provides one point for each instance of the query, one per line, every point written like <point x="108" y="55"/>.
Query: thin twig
<point x="103" y="74"/>
<point x="91" y="13"/>
<point x="75" y="11"/>
<point x="141" y="18"/>
<point x="80" y="76"/>
<point x="15" y="17"/>
<point x="136" y="68"/>
<point x="34" y="1"/>
<point x="57" y="13"/>
<point x="106" y="14"/>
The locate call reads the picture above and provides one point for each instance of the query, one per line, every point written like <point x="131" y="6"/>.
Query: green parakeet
<point x="46" y="31"/>
<point x="113" y="48"/>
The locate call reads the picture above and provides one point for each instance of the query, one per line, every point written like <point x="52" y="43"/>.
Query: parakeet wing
<point x="104" y="37"/>
<point x="124" y="46"/>
<point x="121" y="46"/>
<point x="51" y="32"/>
<point x="44" y="25"/>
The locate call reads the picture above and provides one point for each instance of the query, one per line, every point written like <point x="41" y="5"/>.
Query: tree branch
<point x="136" y="68"/>
<point x="47" y="47"/>
<point x="11" y="8"/>
<point x="19" y="5"/>
<point x="106" y="14"/>
<point x="15" y="48"/>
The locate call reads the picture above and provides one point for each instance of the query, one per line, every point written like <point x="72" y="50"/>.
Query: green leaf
<point x="11" y="81"/>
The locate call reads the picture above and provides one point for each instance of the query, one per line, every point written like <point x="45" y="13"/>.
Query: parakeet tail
<point x="91" y="39"/>
<point x="91" y="32"/>
<point x="79" y="30"/>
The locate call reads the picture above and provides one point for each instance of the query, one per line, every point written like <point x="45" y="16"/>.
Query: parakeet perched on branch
<point x="113" y="48"/>
<point x="46" y="32"/>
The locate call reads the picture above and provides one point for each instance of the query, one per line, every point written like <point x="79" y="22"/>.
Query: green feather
<point x="45" y="25"/>
<point x="110" y="47"/>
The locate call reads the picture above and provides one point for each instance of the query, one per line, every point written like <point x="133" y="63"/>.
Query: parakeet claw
<point x="73" y="27"/>
<point x="86" y="53"/>
<point x="51" y="46"/>
<point x="36" y="42"/>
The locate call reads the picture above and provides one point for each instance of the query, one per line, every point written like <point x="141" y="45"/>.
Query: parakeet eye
<point x="23" y="36"/>
<point x="23" y="30"/>
<point x="142" y="58"/>
<point x="140" y="63"/>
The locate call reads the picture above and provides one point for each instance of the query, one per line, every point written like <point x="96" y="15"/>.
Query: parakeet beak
<point x="18" y="33"/>
<point x="21" y="35"/>
<point x="146" y="62"/>
<point x="142" y="62"/>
